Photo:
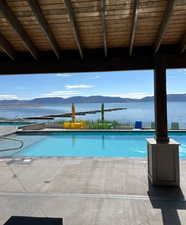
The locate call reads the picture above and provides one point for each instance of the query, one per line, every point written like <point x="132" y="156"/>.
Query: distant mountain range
<point x="90" y="99"/>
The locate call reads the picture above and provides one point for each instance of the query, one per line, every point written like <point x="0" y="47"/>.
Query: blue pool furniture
<point x="174" y="126"/>
<point x="138" y="125"/>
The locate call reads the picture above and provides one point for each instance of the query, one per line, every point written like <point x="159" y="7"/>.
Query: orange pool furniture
<point x="75" y="125"/>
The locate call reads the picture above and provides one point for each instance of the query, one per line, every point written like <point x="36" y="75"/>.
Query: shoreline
<point x="19" y="106"/>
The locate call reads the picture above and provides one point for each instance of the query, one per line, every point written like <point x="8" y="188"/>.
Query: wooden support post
<point x="163" y="154"/>
<point x="160" y="101"/>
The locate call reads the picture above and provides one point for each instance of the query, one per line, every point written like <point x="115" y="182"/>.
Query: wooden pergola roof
<point x="69" y="35"/>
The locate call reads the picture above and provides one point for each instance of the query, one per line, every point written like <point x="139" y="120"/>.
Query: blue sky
<point x="132" y="84"/>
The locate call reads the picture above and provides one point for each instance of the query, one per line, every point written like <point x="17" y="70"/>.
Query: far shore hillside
<point x="37" y="102"/>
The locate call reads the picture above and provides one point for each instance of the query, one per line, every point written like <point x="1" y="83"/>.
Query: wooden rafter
<point x="103" y="23"/>
<point x="71" y="15"/>
<point x="183" y="43"/>
<point x="14" y="22"/>
<point x="6" y="47"/>
<point x="134" y="25"/>
<point x="164" y="24"/>
<point x="44" y="25"/>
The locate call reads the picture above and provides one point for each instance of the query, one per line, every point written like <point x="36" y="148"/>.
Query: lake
<point x="143" y="111"/>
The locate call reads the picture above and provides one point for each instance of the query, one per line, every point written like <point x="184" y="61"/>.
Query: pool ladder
<point x="12" y="149"/>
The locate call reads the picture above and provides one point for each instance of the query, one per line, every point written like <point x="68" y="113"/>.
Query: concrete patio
<point x="89" y="191"/>
<point x="5" y="130"/>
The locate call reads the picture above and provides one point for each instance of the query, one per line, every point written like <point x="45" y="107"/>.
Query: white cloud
<point x="90" y="76"/>
<point x="79" y="86"/>
<point x="63" y="75"/>
<point x="63" y="94"/>
<point x="94" y="77"/>
<point x="8" y="97"/>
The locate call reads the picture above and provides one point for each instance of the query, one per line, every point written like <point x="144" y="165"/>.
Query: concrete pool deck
<point x="88" y="190"/>
<point x="6" y="130"/>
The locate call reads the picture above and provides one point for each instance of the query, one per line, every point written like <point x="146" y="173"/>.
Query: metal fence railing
<point x="112" y="124"/>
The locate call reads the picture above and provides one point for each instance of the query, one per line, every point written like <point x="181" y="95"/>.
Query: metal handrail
<point x="12" y="149"/>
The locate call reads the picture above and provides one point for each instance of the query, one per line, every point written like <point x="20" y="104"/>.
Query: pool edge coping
<point x="51" y="130"/>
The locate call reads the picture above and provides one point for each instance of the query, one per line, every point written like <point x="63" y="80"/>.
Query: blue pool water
<point x="13" y="124"/>
<point x="100" y="144"/>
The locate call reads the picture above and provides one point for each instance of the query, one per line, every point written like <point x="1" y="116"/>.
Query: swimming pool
<point x="18" y="124"/>
<point x="88" y="144"/>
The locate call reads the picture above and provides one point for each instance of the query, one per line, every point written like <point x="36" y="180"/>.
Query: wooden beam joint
<point x="164" y="24"/>
<point x="7" y="47"/>
<point x="17" y="26"/>
<point x="183" y="43"/>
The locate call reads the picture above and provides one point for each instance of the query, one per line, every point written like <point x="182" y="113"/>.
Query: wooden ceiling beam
<point x="119" y="60"/>
<point x="71" y="15"/>
<point x="6" y="47"/>
<point x="164" y="24"/>
<point x="183" y="43"/>
<point x="36" y="9"/>
<point x="17" y="26"/>
<point x="134" y="25"/>
<point x="103" y="23"/>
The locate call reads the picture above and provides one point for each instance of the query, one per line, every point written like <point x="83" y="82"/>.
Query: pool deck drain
<point x="93" y="191"/>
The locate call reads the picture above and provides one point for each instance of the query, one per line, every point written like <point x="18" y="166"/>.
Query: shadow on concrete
<point x="21" y="220"/>
<point x="168" y="200"/>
